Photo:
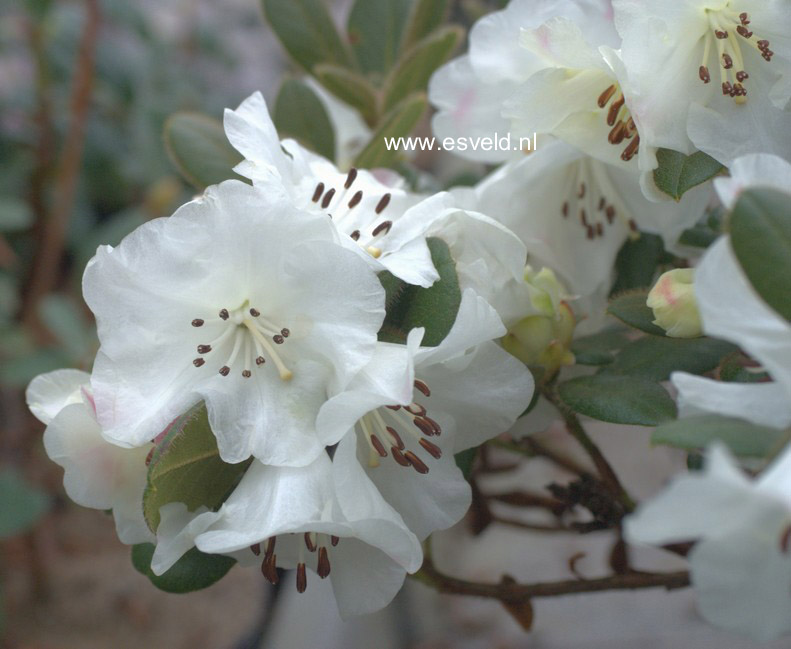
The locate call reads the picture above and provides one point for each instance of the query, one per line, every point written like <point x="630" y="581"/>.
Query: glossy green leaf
<point x="307" y="32"/>
<point x="465" y="461"/>
<point x="654" y="358"/>
<point x="419" y="63"/>
<point x="375" y="28"/>
<point x="598" y="349"/>
<point x="299" y="114"/>
<point x="630" y="308"/>
<point x="21" y="504"/>
<point x="636" y="263"/>
<point x="350" y="88"/>
<point x="399" y="122"/>
<point x="424" y="18"/>
<point x="198" y="148"/>
<point x="194" y="571"/>
<point x="618" y="399"/>
<point x="743" y="438"/>
<point x="760" y="229"/>
<point x="678" y="173"/>
<point x="186" y="467"/>
<point x="434" y="308"/>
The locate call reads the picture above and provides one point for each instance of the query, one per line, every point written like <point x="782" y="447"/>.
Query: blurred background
<point x="85" y="89"/>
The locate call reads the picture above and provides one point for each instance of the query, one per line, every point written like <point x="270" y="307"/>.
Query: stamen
<point x="327" y="198"/>
<point x="355" y="200"/>
<point x="285" y="373"/>
<point x="382" y="204"/>
<point x="302" y="578"/>
<point x="378" y="446"/>
<point x="255" y="312"/>
<point x="256" y="548"/>
<point x="703" y="72"/>
<point x="225" y="370"/>
<point x="398" y="456"/>
<point x="431" y="448"/>
<point x="309" y="542"/>
<point x="334" y="540"/>
<point x="743" y="31"/>
<point x="318" y="192"/>
<point x="606" y="96"/>
<point x="355" y="235"/>
<point x="395" y="437"/>
<point x="269" y="569"/>
<point x="581" y="192"/>
<point x="323" y="566"/>
<point x="416" y="462"/>
<point x="350" y="178"/>
<point x="198" y="362"/>
<point x="415" y="408"/>
<point x="422" y="387"/>
<point x="384" y="226"/>
<point x="565" y="209"/>
<point x="197" y="322"/>
<point x="204" y="349"/>
<point x="631" y="149"/>
<point x="224" y="314"/>
<point x="727" y="61"/>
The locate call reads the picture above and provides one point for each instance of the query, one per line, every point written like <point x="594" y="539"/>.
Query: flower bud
<point x="543" y="340"/>
<point x="674" y="305"/>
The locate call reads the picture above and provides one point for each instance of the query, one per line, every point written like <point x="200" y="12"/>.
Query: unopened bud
<point x="543" y="340"/>
<point x="674" y="305"/>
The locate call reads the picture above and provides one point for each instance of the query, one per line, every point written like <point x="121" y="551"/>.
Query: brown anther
<point x="318" y="192"/>
<point x="599" y="229"/>
<point x="255" y="313"/>
<point x="334" y="540"/>
<point x="302" y="578"/>
<point x="422" y="387"/>
<point x="584" y="218"/>
<point x="260" y="360"/>
<point x="270" y="545"/>
<point x="739" y="90"/>
<point x="741" y="75"/>
<point x="785" y="540"/>
<point x="382" y="204"/>
<point x="727" y="88"/>
<point x="565" y="209"/>
<point x="224" y="314"/>
<point x="727" y="61"/>
<point x="617" y="134"/>
<point x="309" y="544"/>
<point x="279" y="340"/>
<point x="325" y="202"/>
<point x="424" y="426"/>
<point x="744" y="18"/>
<point x="323" y="565"/>
<point x="246" y="374"/>
<point x="398" y="456"/>
<point x="435" y="427"/>
<point x="384" y="226"/>
<point x="767" y="54"/>
<point x="350" y="178"/>
<point x="197" y="322"/>
<point x="256" y="549"/>
<point x="396" y="437"/>
<point x="631" y="149"/>
<point x="632" y="225"/>
<point x="590" y="232"/>
<point x="743" y="31"/>
<point x="285" y="332"/>
<point x="602" y="203"/>
<point x="355" y="200"/>
<point x="415" y="409"/>
<point x="631" y="127"/>
<point x="355" y="235"/>
<point x="204" y="349"/>
<point x="225" y="370"/>
<point x="606" y="96"/>
<point x="610" y="213"/>
<point x="703" y="73"/>
<point x="269" y="569"/>
<point x="720" y="34"/>
<point x="378" y="446"/>
<point x="581" y="192"/>
<point x="612" y="115"/>
<point x="434" y="450"/>
<point x="198" y="362"/>
<point x="393" y="407"/>
<point x="416" y="462"/>
<point x="150" y="455"/>
<point x="763" y="44"/>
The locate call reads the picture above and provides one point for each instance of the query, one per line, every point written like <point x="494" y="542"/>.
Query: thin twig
<point x="44" y="273"/>
<point x="530" y="447"/>
<point x="515" y="592"/>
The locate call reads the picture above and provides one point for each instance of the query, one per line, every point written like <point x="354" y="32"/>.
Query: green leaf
<point x="743" y="438"/>
<point x="434" y="308"/>
<point x="618" y="399"/>
<point x="300" y="114"/>
<point x="198" y="148"/>
<point x="399" y="122"/>
<point x="739" y="368"/>
<point x="350" y="88"/>
<point x="418" y="64"/>
<point x="306" y="31"/>
<point x="654" y="358"/>
<point x="636" y="263"/>
<point x="630" y="308"/>
<point x="760" y="227"/>
<point x="21" y="505"/>
<point x="194" y="571"/>
<point x="678" y="173"/>
<point x="425" y="17"/>
<point x="465" y="460"/>
<point x="375" y="28"/>
<point x="186" y="467"/>
<point x="598" y="349"/>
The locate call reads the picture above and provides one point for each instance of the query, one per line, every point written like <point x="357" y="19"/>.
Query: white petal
<point x="755" y="170"/>
<point x="49" y="393"/>
<point x="176" y="534"/>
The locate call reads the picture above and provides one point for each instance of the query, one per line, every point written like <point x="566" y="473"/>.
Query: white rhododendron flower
<point x="711" y="74"/>
<point x="241" y="300"/>
<point x="98" y="474"/>
<point x="446" y="399"/>
<point x="573" y="213"/>
<point x="741" y="564"/>
<point x="471" y="91"/>
<point x="327" y="517"/>
<point x="731" y="309"/>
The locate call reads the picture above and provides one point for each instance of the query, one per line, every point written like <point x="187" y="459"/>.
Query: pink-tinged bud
<point x="674" y="305"/>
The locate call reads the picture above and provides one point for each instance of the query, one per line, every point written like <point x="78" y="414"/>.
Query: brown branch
<point x="44" y="272"/>
<point x="507" y="591"/>
<point x="532" y="527"/>
<point x="530" y="447"/>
